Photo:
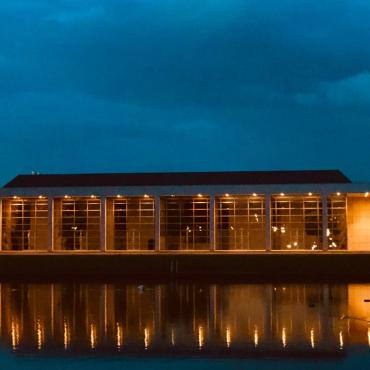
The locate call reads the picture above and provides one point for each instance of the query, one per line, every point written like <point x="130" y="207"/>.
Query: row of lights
<point x="367" y="194"/>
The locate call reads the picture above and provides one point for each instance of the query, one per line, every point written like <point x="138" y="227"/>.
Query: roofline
<point x="179" y="178"/>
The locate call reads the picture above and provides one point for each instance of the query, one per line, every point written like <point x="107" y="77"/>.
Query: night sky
<point x="184" y="85"/>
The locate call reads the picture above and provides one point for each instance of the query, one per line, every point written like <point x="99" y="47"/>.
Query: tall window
<point x="185" y="223"/>
<point x="240" y="222"/>
<point x="25" y="224"/>
<point x="77" y="223"/>
<point x="337" y="222"/>
<point x="130" y="223"/>
<point x="296" y="222"/>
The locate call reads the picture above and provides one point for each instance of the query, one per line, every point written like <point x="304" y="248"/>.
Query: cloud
<point x="351" y="91"/>
<point x="183" y="84"/>
<point x="354" y="90"/>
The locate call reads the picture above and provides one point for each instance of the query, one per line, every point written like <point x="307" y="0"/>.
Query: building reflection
<point x="181" y="317"/>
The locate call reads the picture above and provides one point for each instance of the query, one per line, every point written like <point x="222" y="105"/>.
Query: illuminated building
<point x="205" y="211"/>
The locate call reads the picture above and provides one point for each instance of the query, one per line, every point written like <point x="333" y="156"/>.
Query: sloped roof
<point x="179" y="178"/>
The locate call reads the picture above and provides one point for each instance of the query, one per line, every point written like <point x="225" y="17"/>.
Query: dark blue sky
<point x="164" y="85"/>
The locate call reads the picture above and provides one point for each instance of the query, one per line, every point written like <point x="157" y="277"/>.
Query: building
<point x="233" y="212"/>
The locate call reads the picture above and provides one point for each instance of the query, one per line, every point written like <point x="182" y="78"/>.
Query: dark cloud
<point x="112" y="85"/>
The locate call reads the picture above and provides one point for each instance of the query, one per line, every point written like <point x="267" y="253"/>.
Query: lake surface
<point x="181" y="325"/>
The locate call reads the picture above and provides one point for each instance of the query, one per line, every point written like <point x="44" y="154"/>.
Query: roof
<point x="179" y="178"/>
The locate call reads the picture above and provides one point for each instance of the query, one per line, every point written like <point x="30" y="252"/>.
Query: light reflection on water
<point x="224" y="320"/>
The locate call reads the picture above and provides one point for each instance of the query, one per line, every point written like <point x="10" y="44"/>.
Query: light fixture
<point x="119" y="196"/>
<point x="366" y="194"/>
<point x="227" y="195"/>
<point x="92" y="196"/>
<point x="15" y="197"/>
<point x="200" y="195"/>
<point x="310" y="194"/>
<point x="172" y="195"/>
<point x="282" y="194"/>
<point x="41" y="197"/>
<point x="146" y="196"/>
<point x="254" y="194"/>
<point x="338" y="193"/>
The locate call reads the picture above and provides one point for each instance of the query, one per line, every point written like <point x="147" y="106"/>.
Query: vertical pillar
<point x="157" y="223"/>
<point x="325" y="223"/>
<point x="268" y="246"/>
<point x="1" y="224"/>
<point x="212" y="223"/>
<point x="103" y="224"/>
<point x="50" y="224"/>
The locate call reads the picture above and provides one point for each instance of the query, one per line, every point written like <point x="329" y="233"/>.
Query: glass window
<point x="185" y="223"/>
<point x="296" y="222"/>
<point x="77" y="224"/>
<point x="130" y="223"/>
<point x="240" y="222"/>
<point x="337" y="222"/>
<point x="25" y="224"/>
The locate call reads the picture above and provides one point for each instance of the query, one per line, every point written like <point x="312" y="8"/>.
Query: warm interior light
<point x="146" y="196"/>
<point x="92" y="196"/>
<point x="200" y="195"/>
<point x="15" y="197"/>
<point x="254" y="194"/>
<point x="310" y="194"/>
<point x="338" y="193"/>
<point x="119" y="196"/>
<point x="366" y="194"/>
<point x="282" y="194"/>
<point x="66" y="196"/>
<point x="227" y="195"/>
<point x="41" y="197"/>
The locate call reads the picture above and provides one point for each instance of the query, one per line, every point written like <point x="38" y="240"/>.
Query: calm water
<point x="182" y="325"/>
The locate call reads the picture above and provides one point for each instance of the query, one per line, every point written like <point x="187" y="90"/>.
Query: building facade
<point x="231" y="212"/>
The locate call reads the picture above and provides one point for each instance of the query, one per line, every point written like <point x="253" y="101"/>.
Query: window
<point x="185" y="223"/>
<point x="77" y="224"/>
<point x="296" y="222"/>
<point x="240" y="222"/>
<point x="130" y="223"/>
<point x="25" y="224"/>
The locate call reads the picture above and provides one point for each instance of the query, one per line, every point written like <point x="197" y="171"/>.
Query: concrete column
<point x="325" y="222"/>
<point x="1" y="224"/>
<point x="268" y="244"/>
<point x="50" y="224"/>
<point x="157" y="223"/>
<point x="212" y="223"/>
<point x="103" y="224"/>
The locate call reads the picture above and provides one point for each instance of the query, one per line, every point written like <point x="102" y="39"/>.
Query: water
<point x="181" y="325"/>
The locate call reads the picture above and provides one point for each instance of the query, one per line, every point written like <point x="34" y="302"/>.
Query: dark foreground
<point x="321" y="266"/>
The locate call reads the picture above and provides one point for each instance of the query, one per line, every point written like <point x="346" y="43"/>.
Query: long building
<point x="200" y="212"/>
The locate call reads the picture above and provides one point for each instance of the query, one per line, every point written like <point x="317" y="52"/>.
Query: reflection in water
<point x="184" y="318"/>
